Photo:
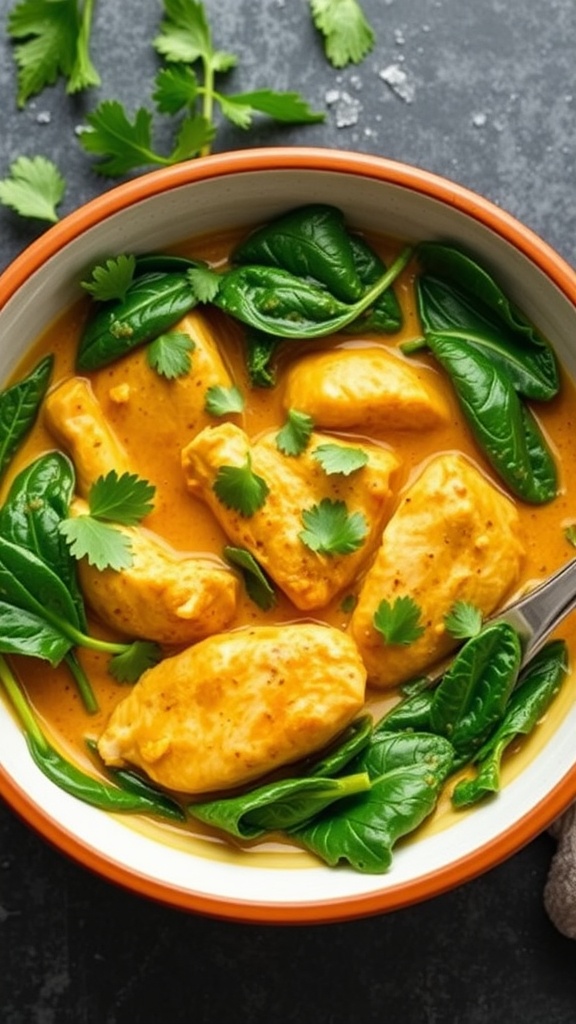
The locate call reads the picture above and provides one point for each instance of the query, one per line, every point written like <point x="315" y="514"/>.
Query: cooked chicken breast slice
<point x="75" y="418"/>
<point x="164" y="595"/>
<point x="272" y="534"/>
<point x="237" y="706"/>
<point x="368" y="388"/>
<point x="454" y="537"/>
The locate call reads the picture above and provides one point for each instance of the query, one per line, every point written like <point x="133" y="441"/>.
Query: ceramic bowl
<point x="231" y="191"/>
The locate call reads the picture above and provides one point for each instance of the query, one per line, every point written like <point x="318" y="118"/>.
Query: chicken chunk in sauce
<point x="237" y="706"/>
<point x="454" y="537"/>
<point x="272" y="534"/>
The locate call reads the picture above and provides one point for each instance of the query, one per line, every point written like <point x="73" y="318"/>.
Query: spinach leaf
<point x="505" y="429"/>
<point x="153" y="303"/>
<point x="37" y="503"/>
<point x="354" y="739"/>
<point x="27" y="632"/>
<point x="537" y="687"/>
<point x="26" y="582"/>
<point x="455" y="292"/>
<point x="277" y="806"/>
<point x="474" y="691"/>
<point x="310" y="242"/>
<point x="274" y="301"/>
<point x="386" y="314"/>
<point x="19" y="405"/>
<point x="409" y="771"/>
<point x="413" y="712"/>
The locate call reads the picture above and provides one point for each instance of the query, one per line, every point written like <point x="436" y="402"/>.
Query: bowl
<point x="232" y="191"/>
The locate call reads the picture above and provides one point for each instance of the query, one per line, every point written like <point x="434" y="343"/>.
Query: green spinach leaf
<point x="19" y="406"/>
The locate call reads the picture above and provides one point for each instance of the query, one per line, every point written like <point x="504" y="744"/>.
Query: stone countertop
<point x="485" y="94"/>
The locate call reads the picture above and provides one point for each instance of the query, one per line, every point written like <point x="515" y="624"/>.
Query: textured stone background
<point x="488" y="98"/>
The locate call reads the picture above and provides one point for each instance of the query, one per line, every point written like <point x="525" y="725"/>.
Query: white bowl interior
<point x="221" y="204"/>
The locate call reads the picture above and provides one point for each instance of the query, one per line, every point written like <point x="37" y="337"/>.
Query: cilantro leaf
<point x="239" y="489"/>
<point x="123" y="144"/>
<point x="169" y="354"/>
<point x="111" y="280"/>
<point x="128" y="666"/>
<point x="220" y="400"/>
<point x="102" y="544"/>
<point x="293" y="437"/>
<point x="123" y="499"/>
<point x="194" y="137"/>
<point x="331" y="529"/>
<point x="185" y="37"/>
<point x="348" y="37"/>
<point x="52" y="40"/>
<point x="337" y="458"/>
<point x="258" y="586"/>
<point x="464" y="620"/>
<point x="205" y="282"/>
<point x="176" y="88"/>
<point x="34" y="188"/>
<point x="286" y="107"/>
<point x="398" y="623"/>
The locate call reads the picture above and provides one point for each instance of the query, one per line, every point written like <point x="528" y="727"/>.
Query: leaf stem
<point x="83" y="684"/>
<point x="207" y="91"/>
<point x="21" y="705"/>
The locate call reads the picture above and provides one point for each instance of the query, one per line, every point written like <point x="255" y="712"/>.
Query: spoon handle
<point x="536" y="615"/>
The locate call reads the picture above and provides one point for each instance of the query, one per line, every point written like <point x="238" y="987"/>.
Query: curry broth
<point x="186" y="523"/>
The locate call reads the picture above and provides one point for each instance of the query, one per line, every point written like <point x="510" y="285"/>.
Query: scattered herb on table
<point x="34" y="188"/>
<point x="348" y="37"/>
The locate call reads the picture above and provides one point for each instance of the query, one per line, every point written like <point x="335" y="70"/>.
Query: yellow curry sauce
<point x="188" y="526"/>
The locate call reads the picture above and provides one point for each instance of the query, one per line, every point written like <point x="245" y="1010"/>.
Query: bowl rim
<point x="409" y="177"/>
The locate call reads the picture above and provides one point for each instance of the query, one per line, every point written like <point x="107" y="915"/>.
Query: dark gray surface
<point x="491" y="104"/>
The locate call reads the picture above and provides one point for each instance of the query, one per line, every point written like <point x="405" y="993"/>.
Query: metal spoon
<point x="540" y="611"/>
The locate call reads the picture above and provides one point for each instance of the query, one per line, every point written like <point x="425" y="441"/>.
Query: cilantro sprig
<point x="34" y="188"/>
<point x="240" y="489"/>
<point x="221" y="401"/>
<point x="293" y="436"/>
<point x="52" y="40"/>
<point x="170" y="354"/>
<point x="464" y="620"/>
<point x="339" y="458"/>
<point x="258" y="586"/>
<point x="111" y="279"/>
<point x="113" y="499"/>
<point x="398" y="622"/>
<point x="348" y="37"/>
<point x="330" y="529"/>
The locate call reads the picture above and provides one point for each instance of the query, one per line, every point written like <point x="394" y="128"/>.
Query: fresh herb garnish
<point x="570" y="534"/>
<point x="398" y="622"/>
<point x="240" y="489"/>
<point x="112" y="279"/>
<point x="258" y="586"/>
<point x="464" y="620"/>
<point x="170" y="354"/>
<point x="34" y="188"/>
<point x="337" y="458"/>
<point x="52" y="41"/>
<point x="293" y="437"/>
<point x="124" y="499"/>
<point x="221" y="401"/>
<point x="205" y="282"/>
<point x="348" y="37"/>
<point x="331" y="529"/>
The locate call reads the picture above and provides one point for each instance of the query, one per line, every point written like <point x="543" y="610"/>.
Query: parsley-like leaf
<point x="205" y="282"/>
<point x="258" y="586"/>
<point x="176" y="89"/>
<point x="195" y="135"/>
<point x="34" y="188"/>
<point x="169" y="354"/>
<point x="348" y="37"/>
<point x="122" y="499"/>
<point x="111" y="280"/>
<point x="123" y="144"/>
<point x="464" y="620"/>
<point x="185" y="37"/>
<point x="337" y="458"/>
<point x="102" y="544"/>
<point x="398" y="623"/>
<point x="331" y="529"/>
<point x="293" y="437"/>
<point x="221" y="401"/>
<point x="128" y="666"/>
<point x="53" y="40"/>
<point x="286" y="107"/>
<point x="240" y="489"/>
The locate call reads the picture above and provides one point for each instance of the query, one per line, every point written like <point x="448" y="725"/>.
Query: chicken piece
<point x="163" y="413"/>
<point x="454" y="537"/>
<point x="370" y="388"/>
<point x="73" y="415"/>
<point x="272" y="534"/>
<point x="164" y="595"/>
<point x="236" y="706"/>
